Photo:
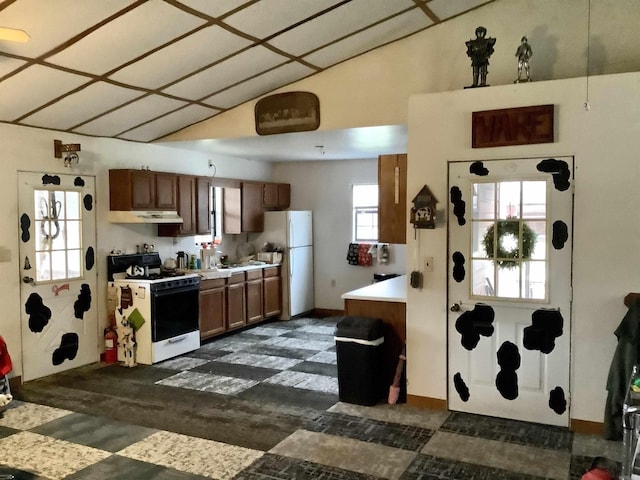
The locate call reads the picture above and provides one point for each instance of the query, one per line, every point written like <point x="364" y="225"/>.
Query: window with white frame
<point x="58" y="239"/>
<point x="365" y="213"/>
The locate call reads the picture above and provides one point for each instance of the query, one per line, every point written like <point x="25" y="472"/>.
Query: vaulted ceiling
<point x="139" y="70"/>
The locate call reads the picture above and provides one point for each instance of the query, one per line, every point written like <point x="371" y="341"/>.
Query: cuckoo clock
<point x="423" y="212"/>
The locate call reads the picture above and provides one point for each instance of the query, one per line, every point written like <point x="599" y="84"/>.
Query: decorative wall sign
<point x="287" y="112"/>
<point x="512" y="126"/>
<point x="423" y="212"/>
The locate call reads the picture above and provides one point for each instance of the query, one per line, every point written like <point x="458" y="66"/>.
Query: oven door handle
<point x="177" y="339"/>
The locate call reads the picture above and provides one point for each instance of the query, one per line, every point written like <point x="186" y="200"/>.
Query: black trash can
<point x="359" y="343"/>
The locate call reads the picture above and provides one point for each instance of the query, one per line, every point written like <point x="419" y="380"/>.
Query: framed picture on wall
<point x="287" y="112"/>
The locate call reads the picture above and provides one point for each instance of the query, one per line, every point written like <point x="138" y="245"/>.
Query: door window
<point x="58" y="246"/>
<point x="509" y="240"/>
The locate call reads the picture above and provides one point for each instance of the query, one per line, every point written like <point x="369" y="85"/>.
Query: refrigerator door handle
<point x="290" y="265"/>
<point x="291" y="234"/>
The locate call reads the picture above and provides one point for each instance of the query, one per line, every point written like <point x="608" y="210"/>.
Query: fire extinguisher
<point x="110" y="345"/>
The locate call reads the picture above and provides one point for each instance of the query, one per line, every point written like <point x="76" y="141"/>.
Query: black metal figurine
<point x="479" y="50"/>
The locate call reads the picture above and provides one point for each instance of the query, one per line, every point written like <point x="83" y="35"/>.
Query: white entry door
<point x="58" y="277"/>
<point x="509" y="327"/>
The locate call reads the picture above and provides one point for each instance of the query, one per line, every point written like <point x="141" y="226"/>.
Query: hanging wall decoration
<point x="507" y="243"/>
<point x="287" y="112"/>
<point x="423" y="212"/>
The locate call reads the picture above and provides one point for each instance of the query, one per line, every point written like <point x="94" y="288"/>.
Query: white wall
<point x="31" y="149"/>
<point x="325" y="188"/>
<point x="605" y="141"/>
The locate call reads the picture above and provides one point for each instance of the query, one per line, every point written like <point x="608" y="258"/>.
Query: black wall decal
<point x="25" y="223"/>
<point x="39" y="313"/>
<point x="478" y="168"/>
<point x="88" y="202"/>
<point x="459" y="205"/>
<point x="68" y="348"/>
<point x="461" y="387"/>
<point x="83" y="303"/>
<point x="458" y="266"/>
<point x="546" y="326"/>
<point x="89" y="258"/>
<point x="50" y="179"/>
<point x="557" y="402"/>
<point x="78" y="182"/>
<point x="507" y="378"/>
<point x="560" y="234"/>
<point x="559" y="169"/>
<point x="473" y="323"/>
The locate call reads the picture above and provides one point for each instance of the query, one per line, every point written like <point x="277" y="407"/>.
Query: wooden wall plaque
<point x="287" y="112"/>
<point x="512" y="126"/>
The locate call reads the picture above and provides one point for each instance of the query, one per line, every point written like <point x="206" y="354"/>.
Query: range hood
<point x="140" y="216"/>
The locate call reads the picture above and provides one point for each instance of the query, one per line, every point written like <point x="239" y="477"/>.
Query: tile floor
<point x="248" y="374"/>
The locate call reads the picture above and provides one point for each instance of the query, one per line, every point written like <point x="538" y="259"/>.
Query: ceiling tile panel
<point x="265" y="18"/>
<point x="248" y="63"/>
<point x="259" y="85"/>
<point x="130" y="116"/>
<point x="144" y="28"/>
<point x="400" y="26"/>
<point x="81" y="106"/>
<point x="181" y="58"/>
<point x="9" y="65"/>
<point x="32" y="88"/>
<point x="446" y="8"/>
<point x="169" y="123"/>
<point x="214" y="8"/>
<point x="51" y="23"/>
<point x="337" y="23"/>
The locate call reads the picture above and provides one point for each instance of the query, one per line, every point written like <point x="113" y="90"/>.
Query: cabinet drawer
<point x="212" y="283"/>
<point x="254" y="274"/>
<point x="237" y="277"/>
<point x="271" y="272"/>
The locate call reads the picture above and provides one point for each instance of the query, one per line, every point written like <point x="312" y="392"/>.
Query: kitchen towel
<point x="352" y="254"/>
<point x="364" y="257"/>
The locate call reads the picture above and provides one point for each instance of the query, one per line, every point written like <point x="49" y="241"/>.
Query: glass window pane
<point x="74" y="264"/>
<point x="539" y="231"/>
<point x="73" y="205"/>
<point x="43" y="267"/>
<point x="478" y="248"/>
<point x="58" y="265"/>
<point x="509" y="199"/>
<point x="40" y="200"/>
<point x="508" y="282"/>
<point x="58" y="234"/>
<point x="534" y="199"/>
<point x="42" y="229"/>
<point x="73" y="234"/>
<point x="482" y="277"/>
<point x="507" y="242"/>
<point x="56" y="204"/>
<point x="534" y="280"/>
<point x="484" y="200"/>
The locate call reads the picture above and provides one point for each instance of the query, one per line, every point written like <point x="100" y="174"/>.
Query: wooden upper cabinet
<point x="186" y="209"/>
<point x="142" y="190"/>
<point x="202" y="210"/>
<point x="252" y="217"/>
<point x="231" y="207"/>
<point x="392" y="202"/>
<point x="276" y="196"/>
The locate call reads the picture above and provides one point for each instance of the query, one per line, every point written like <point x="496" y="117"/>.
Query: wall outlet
<point x="428" y="264"/>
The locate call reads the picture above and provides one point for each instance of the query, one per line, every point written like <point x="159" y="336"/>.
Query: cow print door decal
<point x="508" y="345"/>
<point x="59" y="318"/>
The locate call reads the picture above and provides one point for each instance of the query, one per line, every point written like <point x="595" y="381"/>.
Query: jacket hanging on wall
<point x="5" y="368"/>
<point x="627" y="354"/>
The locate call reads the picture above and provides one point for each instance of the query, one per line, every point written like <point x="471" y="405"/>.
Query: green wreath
<point x="509" y="227"/>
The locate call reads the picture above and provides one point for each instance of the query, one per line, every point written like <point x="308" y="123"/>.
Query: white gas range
<point x="164" y="305"/>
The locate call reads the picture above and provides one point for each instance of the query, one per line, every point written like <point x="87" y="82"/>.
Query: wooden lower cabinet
<point x="213" y="307"/>
<point x="254" y="296"/>
<point x="244" y="298"/>
<point x="272" y="287"/>
<point x="236" y="301"/>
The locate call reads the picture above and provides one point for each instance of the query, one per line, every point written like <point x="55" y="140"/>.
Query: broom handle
<point x="401" y="359"/>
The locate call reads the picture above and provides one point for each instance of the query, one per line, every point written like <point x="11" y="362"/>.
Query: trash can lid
<point x="364" y="328"/>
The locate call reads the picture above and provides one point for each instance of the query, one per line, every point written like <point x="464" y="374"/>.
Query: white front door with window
<point x="509" y="327"/>
<point x="57" y="228"/>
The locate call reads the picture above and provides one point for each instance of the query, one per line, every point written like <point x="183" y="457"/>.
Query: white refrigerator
<point x="293" y="231"/>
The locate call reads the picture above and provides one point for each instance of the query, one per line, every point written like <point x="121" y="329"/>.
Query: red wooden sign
<point x="512" y="126"/>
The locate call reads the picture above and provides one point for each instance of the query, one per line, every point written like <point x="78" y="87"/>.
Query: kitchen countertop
<point x="227" y="272"/>
<point x="392" y="290"/>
